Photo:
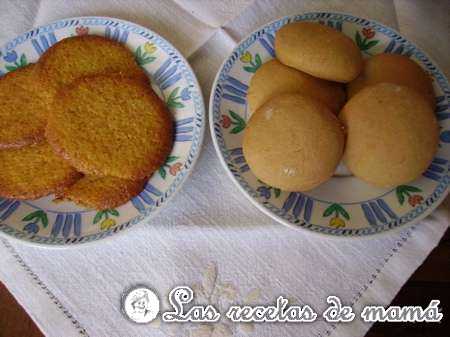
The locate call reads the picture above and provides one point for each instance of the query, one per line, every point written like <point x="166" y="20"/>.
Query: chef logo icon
<point x="140" y="304"/>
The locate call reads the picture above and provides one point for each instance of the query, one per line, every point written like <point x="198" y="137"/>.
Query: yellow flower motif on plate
<point x="246" y="57"/>
<point x="104" y="218"/>
<point x="149" y="47"/>
<point x="107" y="224"/>
<point x="337" y="222"/>
<point x="339" y="212"/>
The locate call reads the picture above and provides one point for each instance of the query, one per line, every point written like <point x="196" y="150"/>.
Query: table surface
<point x="430" y="281"/>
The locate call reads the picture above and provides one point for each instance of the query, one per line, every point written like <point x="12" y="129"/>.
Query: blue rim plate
<point x="343" y="206"/>
<point x="45" y="222"/>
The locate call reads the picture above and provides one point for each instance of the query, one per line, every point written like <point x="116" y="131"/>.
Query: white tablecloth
<point x="209" y="236"/>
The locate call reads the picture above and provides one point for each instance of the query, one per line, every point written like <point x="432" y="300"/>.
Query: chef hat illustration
<point x="137" y="298"/>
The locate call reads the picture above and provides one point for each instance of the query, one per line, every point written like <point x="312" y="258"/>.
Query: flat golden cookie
<point x="293" y="142"/>
<point x="111" y="126"/>
<point x="86" y="55"/>
<point x="274" y="78"/>
<point x="23" y="106"/>
<point x="392" y="134"/>
<point x="33" y="171"/>
<point x="102" y="192"/>
<point x="318" y="50"/>
<point x="393" y="68"/>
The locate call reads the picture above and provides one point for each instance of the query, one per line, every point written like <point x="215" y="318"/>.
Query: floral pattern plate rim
<point x="343" y="206"/>
<point x="64" y="224"/>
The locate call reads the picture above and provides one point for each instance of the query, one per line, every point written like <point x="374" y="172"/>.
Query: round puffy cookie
<point x="23" y="107"/>
<point x="111" y="126"/>
<point x="33" y="171"/>
<point x="102" y="192"/>
<point x="274" y="78"/>
<point x="318" y="50"/>
<point x="393" y="68"/>
<point x="86" y="55"/>
<point x="392" y="134"/>
<point x="293" y="142"/>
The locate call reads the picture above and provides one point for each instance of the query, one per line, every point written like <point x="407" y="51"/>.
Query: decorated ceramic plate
<point x="46" y="222"/>
<point x="343" y="206"/>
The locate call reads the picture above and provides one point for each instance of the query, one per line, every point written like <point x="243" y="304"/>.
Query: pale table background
<point x="209" y="236"/>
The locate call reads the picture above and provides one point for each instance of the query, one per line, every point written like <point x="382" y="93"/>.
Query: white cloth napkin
<point x="209" y="236"/>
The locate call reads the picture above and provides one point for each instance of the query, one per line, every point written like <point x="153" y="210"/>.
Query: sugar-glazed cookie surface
<point x="392" y="134"/>
<point x="33" y="171"/>
<point x="293" y="142"/>
<point x="397" y="69"/>
<point x="274" y="78"/>
<point x="318" y="50"/>
<point x="111" y="126"/>
<point x="23" y="106"/>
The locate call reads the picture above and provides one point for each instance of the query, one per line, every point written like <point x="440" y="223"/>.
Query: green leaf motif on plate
<point x="171" y="159"/>
<point x="162" y="172"/>
<point x="37" y="216"/>
<point x="144" y="57"/>
<point x="107" y="222"/>
<point x="407" y="191"/>
<point x="113" y="212"/>
<point x="173" y="99"/>
<point x="238" y="122"/>
<point x="23" y="61"/>
<point x="364" y="41"/>
<point x="16" y="64"/>
<point x="277" y="192"/>
<point x="173" y="169"/>
<point x="337" y="210"/>
<point x="98" y="217"/>
<point x="252" y="65"/>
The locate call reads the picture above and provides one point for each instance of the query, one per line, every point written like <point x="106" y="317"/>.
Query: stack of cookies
<point x="302" y="124"/>
<point x="83" y="123"/>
